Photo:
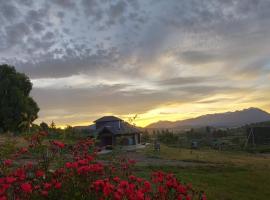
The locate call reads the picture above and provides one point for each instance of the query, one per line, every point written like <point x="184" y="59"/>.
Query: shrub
<point x="82" y="177"/>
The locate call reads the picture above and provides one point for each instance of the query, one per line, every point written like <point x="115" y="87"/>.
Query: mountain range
<point x="224" y="120"/>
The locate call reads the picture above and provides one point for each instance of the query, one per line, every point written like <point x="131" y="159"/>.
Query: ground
<point x="223" y="175"/>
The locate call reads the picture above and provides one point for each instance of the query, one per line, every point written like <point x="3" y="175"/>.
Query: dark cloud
<point x="16" y="33"/>
<point x="37" y="15"/>
<point x="61" y="14"/>
<point x="71" y="64"/>
<point x="9" y="12"/>
<point x="166" y="51"/>
<point x="116" y="12"/>
<point x="198" y="57"/>
<point x="25" y="2"/>
<point x="38" y="27"/>
<point x="65" y="3"/>
<point x="48" y="36"/>
<point x="93" y="8"/>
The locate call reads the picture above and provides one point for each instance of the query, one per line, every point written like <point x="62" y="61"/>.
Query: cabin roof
<point x="125" y="128"/>
<point x="108" y="119"/>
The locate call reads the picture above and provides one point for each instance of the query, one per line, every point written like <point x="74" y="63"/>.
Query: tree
<point x="44" y="126"/>
<point x="17" y="109"/>
<point x="53" y="126"/>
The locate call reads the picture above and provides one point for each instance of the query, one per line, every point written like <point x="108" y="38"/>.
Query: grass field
<point x="231" y="176"/>
<point x="222" y="183"/>
<point x="237" y="158"/>
<point x="225" y="175"/>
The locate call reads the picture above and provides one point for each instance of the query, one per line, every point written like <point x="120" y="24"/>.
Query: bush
<point x="82" y="177"/>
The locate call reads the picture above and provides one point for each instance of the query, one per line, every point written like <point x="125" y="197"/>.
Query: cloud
<point x="9" y="12"/>
<point x="198" y="57"/>
<point x="65" y="3"/>
<point x="184" y="80"/>
<point x="143" y="53"/>
<point x="38" y="27"/>
<point x="70" y="64"/>
<point x="16" y="33"/>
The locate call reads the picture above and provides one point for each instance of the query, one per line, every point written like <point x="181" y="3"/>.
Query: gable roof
<point x="125" y="128"/>
<point x="108" y="119"/>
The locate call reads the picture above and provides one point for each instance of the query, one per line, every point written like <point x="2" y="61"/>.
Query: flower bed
<point x="80" y="176"/>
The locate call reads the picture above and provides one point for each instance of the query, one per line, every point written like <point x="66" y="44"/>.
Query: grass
<point x="236" y="158"/>
<point x="231" y="176"/>
<point x="222" y="183"/>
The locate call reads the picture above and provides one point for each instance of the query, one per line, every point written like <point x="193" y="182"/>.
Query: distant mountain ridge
<point x="225" y="120"/>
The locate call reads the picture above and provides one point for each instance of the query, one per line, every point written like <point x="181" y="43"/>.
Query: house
<point x="111" y="131"/>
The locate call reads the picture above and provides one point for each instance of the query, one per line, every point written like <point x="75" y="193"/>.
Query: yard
<point x="223" y="175"/>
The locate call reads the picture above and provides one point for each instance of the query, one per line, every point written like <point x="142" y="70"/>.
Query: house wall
<point x="137" y="138"/>
<point x="126" y="140"/>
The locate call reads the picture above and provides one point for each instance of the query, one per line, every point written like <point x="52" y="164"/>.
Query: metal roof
<point x="108" y="119"/>
<point x="125" y="128"/>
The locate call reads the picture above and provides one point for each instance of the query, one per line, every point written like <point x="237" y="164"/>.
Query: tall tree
<point x="17" y="109"/>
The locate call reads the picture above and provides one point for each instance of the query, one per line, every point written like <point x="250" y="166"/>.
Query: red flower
<point x="132" y="178"/>
<point x="147" y="186"/>
<point x="26" y="187"/>
<point x="23" y="150"/>
<point x="44" y="193"/>
<point x="116" y="179"/>
<point x="10" y="179"/>
<point x="140" y="195"/>
<point x="188" y="197"/>
<point x="47" y="186"/>
<point x="20" y="173"/>
<point x="59" y="144"/>
<point x="8" y="162"/>
<point x="57" y="185"/>
<point x="132" y="162"/>
<point x="39" y="173"/>
<point x="69" y="165"/>
<point x="29" y="165"/>
<point x="3" y="198"/>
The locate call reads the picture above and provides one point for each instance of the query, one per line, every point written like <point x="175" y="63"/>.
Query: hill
<point x="225" y="120"/>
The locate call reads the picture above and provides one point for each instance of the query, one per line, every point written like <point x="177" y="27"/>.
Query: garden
<point x="52" y="169"/>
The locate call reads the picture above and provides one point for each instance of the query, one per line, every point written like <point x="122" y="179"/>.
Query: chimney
<point x="119" y="124"/>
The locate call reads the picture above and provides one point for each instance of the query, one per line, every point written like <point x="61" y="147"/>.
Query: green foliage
<point x="44" y="126"/>
<point x="167" y="137"/>
<point x="7" y="148"/>
<point x="145" y="137"/>
<point x="17" y="109"/>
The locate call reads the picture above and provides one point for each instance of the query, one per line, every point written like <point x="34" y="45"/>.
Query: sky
<point x="157" y="59"/>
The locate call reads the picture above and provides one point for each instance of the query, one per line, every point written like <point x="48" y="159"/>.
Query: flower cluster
<point x="81" y="176"/>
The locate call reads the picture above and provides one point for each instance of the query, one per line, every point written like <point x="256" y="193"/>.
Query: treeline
<point x="206" y="136"/>
<point x="68" y="132"/>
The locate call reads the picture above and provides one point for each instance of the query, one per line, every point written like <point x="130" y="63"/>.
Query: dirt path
<point x="144" y="160"/>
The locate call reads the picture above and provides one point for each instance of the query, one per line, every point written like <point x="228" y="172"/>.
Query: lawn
<point x="222" y="183"/>
<point x="236" y="158"/>
<point x="231" y="176"/>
